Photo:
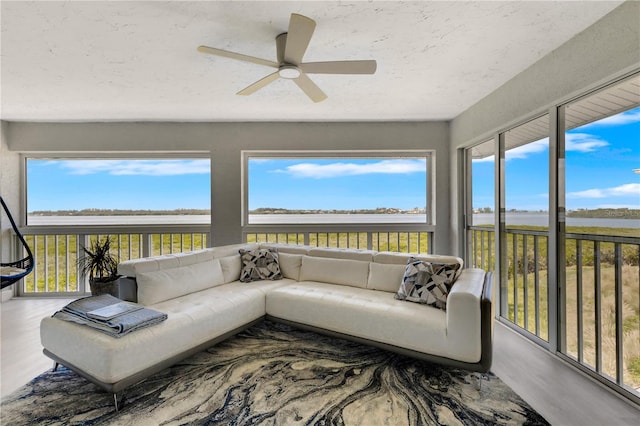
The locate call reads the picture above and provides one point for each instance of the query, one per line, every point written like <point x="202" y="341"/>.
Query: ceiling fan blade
<point x="300" y="31"/>
<point x="239" y="56"/>
<point x="281" y="43"/>
<point x="340" y="67"/>
<point x="310" y="88"/>
<point x="259" y="84"/>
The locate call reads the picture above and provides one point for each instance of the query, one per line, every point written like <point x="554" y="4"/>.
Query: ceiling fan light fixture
<point x="290" y="48"/>
<point x="289" y="71"/>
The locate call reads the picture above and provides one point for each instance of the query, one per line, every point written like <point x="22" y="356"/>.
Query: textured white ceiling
<point x="121" y="60"/>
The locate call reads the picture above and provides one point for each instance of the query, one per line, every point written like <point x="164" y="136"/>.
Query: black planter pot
<point x="99" y="287"/>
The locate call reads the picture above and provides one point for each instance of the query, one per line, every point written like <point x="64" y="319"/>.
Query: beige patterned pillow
<point x="260" y="264"/>
<point x="428" y="282"/>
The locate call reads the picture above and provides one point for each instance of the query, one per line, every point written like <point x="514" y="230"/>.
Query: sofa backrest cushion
<point x="287" y="248"/>
<point x="231" y="267"/>
<point x="403" y="258"/>
<point x="290" y="265"/>
<point x="338" y="253"/>
<point x="165" y="284"/>
<point x="133" y="267"/>
<point x="385" y="277"/>
<point x="353" y="273"/>
<point x="232" y="249"/>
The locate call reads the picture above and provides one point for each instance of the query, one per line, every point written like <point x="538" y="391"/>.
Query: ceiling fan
<point x="290" y="48"/>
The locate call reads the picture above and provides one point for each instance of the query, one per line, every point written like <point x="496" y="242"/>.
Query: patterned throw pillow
<point x="428" y="282"/>
<point x="261" y="264"/>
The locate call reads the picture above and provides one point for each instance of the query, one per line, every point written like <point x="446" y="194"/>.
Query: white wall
<point x="225" y="141"/>
<point x="10" y="191"/>
<point x="607" y="50"/>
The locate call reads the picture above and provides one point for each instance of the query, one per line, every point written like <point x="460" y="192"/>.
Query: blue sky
<point x="118" y="184"/>
<point x="341" y="184"/>
<point x="600" y="161"/>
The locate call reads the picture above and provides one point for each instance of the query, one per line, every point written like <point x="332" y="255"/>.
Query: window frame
<point x="428" y="154"/>
<point x="137" y="155"/>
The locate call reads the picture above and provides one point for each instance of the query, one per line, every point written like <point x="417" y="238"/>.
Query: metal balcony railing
<point x="56" y="250"/>
<point x="599" y="309"/>
<point x="396" y="238"/>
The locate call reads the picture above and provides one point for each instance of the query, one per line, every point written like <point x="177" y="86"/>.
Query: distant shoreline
<point x="531" y="219"/>
<point x="620" y="213"/>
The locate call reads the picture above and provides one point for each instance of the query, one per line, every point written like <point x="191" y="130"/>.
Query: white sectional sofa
<point x="342" y="292"/>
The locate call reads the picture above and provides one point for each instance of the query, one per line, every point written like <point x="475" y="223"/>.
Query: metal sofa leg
<point x="478" y="380"/>
<point x="118" y="400"/>
<point x="55" y="366"/>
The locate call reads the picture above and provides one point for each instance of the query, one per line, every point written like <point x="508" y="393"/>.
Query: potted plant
<point x="100" y="266"/>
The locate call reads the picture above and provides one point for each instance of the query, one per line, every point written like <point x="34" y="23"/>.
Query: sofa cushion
<point x="342" y="253"/>
<point x="232" y="249"/>
<point x="157" y="286"/>
<point x="335" y="271"/>
<point x="385" y="277"/>
<point x="231" y="267"/>
<point x="192" y="320"/>
<point x="133" y="267"/>
<point x="260" y="264"/>
<point x="364" y="313"/>
<point x="428" y="282"/>
<point x="287" y="248"/>
<point x="290" y="265"/>
<point x="403" y="258"/>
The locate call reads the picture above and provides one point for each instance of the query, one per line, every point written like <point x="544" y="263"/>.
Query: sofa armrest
<point x="469" y="315"/>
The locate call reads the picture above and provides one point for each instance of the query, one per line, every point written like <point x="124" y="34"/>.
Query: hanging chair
<point x="14" y="271"/>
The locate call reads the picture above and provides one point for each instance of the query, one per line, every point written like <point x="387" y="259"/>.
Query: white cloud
<point x="488" y="159"/>
<point x="322" y="171"/>
<point x="628" y="189"/>
<point x="136" y="167"/>
<point x="580" y="142"/>
<point x="523" y="151"/>
<point x="626" y="117"/>
<point x="583" y="142"/>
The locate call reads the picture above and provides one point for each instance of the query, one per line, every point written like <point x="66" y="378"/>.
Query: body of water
<point x="119" y="220"/>
<point x="533" y="219"/>
<point x="542" y="219"/>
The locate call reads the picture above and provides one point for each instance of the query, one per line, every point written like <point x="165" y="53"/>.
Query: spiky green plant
<point x="97" y="262"/>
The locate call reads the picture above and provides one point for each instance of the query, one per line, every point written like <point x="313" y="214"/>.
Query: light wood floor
<point x="557" y="391"/>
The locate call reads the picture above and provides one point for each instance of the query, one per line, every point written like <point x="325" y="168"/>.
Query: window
<point x="568" y="230"/>
<point x="333" y="188"/>
<point x="480" y="215"/>
<point x="601" y="321"/>
<point x="72" y="191"/>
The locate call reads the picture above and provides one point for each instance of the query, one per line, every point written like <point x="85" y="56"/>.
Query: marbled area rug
<point x="272" y="374"/>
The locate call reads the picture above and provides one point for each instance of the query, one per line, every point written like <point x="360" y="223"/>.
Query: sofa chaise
<point x="343" y="292"/>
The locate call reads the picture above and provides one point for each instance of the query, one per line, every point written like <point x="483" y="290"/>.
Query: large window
<point x="602" y="240"/>
<point x="81" y="191"/>
<point x="568" y="232"/>
<point x="332" y="188"/>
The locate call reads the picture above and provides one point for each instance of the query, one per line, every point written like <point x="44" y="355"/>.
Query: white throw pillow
<point x="165" y="284"/>
<point x="385" y="277"/>
<point x="290" y="265"/>
<point x="231" y="266"/>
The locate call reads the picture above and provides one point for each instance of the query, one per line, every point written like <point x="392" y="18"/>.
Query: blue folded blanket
<point x="118" y="326"/>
